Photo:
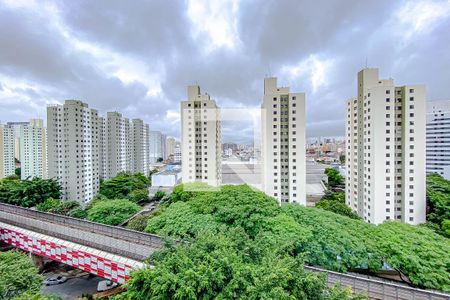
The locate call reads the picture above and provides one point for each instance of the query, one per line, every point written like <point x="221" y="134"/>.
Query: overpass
<point x="103" y="250"/>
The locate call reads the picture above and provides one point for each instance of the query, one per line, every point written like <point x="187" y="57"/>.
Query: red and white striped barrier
<point x="112" y="267"/>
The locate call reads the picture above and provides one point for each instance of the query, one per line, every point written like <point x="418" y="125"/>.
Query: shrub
<point x="112" y="212"/>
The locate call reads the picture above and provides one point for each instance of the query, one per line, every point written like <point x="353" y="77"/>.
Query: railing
<point x="117" y="233"/>
<point x="378" y="289"/>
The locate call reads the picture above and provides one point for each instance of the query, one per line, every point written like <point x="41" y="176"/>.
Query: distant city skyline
<point x="224" y="46"/>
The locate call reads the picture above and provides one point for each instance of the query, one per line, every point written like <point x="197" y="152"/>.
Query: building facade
<point x="438" y="138"/>
<point x="73" y="139"/>
<point x="140" y="146"/>
<point x="17" y="127"/>
<point x="170" y="147"/>
<point x="33" y="153"/>
<point x="200" y="139"/>
<point x="385" y="157"/>
<point x="7" y="146"/>
<point x="283" y="143"/>
<point x="156" y="148"/>
<point x="116" y="145"/>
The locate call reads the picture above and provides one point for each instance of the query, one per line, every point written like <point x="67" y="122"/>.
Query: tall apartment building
<point x="7" y="163"/>
<point x="16" y="127"/>
<point x="156" y="148"/>
<point x="170" y="147"/>
<point x="140" y="146"/>
<point x="200" y="138"/>
<point x="438" y="138"/>
<point x="73" y="149"/>
<point x="116" y="141"/>
<point x="385" y="156"/>
<point x="177" y="153"/>
<point x="283" y="143"/>
<point x="33" y="153"/>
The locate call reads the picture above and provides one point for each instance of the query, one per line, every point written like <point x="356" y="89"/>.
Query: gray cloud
<point x="138" y="58"/>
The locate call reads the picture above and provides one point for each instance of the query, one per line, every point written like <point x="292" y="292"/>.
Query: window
<point x="411" y="90"/>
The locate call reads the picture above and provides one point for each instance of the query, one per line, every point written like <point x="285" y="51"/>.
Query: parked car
<point x="55" y="280"/>
<point x="105" y="285"/>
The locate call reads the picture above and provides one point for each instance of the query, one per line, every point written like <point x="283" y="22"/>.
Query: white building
<point x="385" y="156"/>
<point x="200" y="139"/>
<point x="73" y="149"/>
<point x="283" y="143"/>
<point x="7" y="143"/>
<point x="170" y="147"/>
<point x="17" y="127"/>
<point x="438" y="138"/>
<point x="140" y="146"/>
<point x="116" y="145"/>
<point x="177" y="154"/>
<point x="33" y="153"/>
<point x="157" y="140"/>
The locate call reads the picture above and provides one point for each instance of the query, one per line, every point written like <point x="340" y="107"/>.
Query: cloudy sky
<point x="137" y="57"/>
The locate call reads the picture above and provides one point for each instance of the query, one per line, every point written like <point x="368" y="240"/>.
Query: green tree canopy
<point x="28" y="193"/>
<point x="123" y="184"/>
<point x="113" y="212"/>
<point x="438" y="200"/>
<point x="138" y="195"/>
<point x="334" y="177"/>
<point x="18" y="275"/>
<point x="320" y="237"/>
<point x="335" y="202"/>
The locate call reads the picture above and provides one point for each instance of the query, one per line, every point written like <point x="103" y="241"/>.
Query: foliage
<point x="438" y="200"/>
<point x="342" y="159"/>
<point x="28" y="193"/>
<point x="221" y="266"/>
<point x="138" y="195"/>
<point x="78" y="213"/>
<point x="138" y="223"/>
<point x="319" y="237"/>
<point x="445" y="227"/>
<point x="159" y="195"/>
<point x="36" y="296"/>
<point x="335" y="202"/>
<point x="112" y="212"/>
<point x="418" y="252"/>
<point x="18" y="275"/>
<point x="48" y="204"/>
<point x="150" y="173"/>
<point x="334" y="177"/>
<point x="18" y="172"/>
<point x="120" y="186"/>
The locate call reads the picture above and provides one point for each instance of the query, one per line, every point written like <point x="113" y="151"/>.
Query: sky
<point x="137" y="57"/>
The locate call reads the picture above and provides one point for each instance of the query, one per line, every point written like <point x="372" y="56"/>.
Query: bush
<point x="18" y="275"/>
<point x="138" y="223"/>
<point x="48" y="204"/>
<point x="138" y="195"/>
<point x="78" y="213"/>
<point x="112" y="212"/>
<point x="159" y="195"/>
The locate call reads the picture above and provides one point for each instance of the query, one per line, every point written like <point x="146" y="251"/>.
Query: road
<point x="74" y="287"/>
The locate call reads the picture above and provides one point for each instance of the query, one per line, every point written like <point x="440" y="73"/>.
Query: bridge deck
<point x="120" y="241"/>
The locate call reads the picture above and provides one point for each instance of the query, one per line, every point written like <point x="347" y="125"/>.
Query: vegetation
<point x="335" y="202"/>
<point x="28" y="193"/>
<point x="438" y="200"/>
<point x="138" y="195"/>
<point x="334" y="177"/>
<point x="122" y="185"/>
<point x="241" y="230"/>
<point x="18" y="276"/>
<point x="138" y="223"/>
<point x="159" y="195"/>
<point x="113" y="212"/>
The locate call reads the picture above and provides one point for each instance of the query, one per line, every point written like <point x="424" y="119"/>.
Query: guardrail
<point x="122" y="234"/>
<point x="378" y="289"/>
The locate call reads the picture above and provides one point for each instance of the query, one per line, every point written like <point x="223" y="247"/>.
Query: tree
<point x="160" y="159"/>
<point x="18" y="172"/>
<point x="28" y="193"/>
<point x="138" y="223"/>
<point x="120" y="186"/>
<point x="342" y="159"/>
<point x="438" y="201"/>
<point x="48" y="204"/>
<point x="138" y="195"/>
<point x="259" y="228"/>
<point x="335" y="202"/>
<point x="18" y="275"/>
<point x="113" y="212"/>
<point x="334" y="177"/>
